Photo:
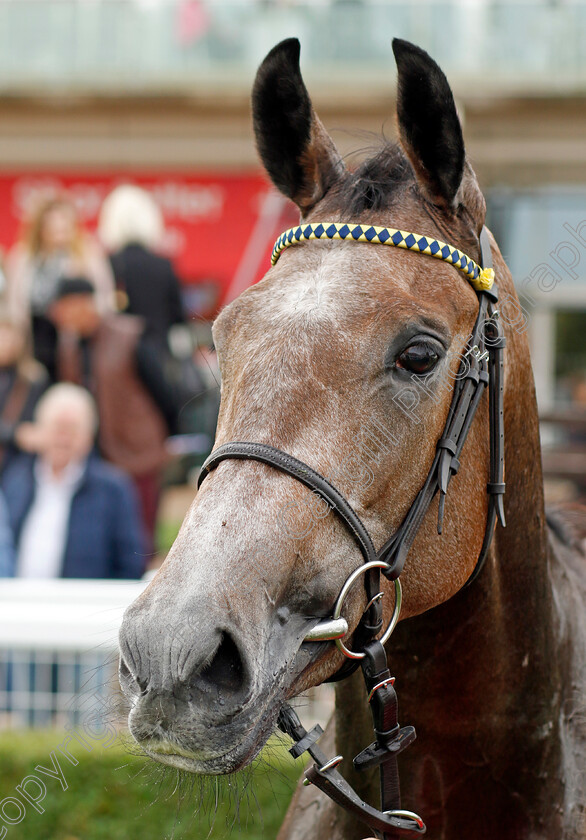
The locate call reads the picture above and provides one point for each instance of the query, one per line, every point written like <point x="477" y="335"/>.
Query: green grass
<point x="166" y="534"/>
<point x="115" y="795"/>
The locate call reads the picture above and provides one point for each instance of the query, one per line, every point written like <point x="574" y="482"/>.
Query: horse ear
<point x="429" y="127"/>
<point x="296" y="150"/>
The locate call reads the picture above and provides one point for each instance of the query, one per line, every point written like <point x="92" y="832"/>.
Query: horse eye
<point x="418" y="358"/>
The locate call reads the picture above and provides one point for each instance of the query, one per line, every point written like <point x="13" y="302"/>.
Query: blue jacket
<point x="6" y="542"/>
<point x="105" y="536"/>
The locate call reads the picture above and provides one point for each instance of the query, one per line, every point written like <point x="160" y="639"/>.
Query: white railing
<point x="58" y="647"/>
<point x="76" y="615"/>
<point x="59" y="652"/>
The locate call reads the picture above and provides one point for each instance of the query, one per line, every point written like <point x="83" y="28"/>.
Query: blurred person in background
<point x="109" y="355"/>
<point x="54" y="245"/>
<point x="2" y="276"/>
<point x="71" y="514"/>
<point x="579" y="392"/>
<point x="576" y="431"/>
<point x="131" y="228"/>
<point x="22" y="381"/>
<point x="6" y="541"/>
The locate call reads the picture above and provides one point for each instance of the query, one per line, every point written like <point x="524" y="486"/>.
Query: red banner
<point x="220" y="228"/>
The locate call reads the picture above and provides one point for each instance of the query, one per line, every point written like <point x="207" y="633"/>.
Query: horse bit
<point x="481" y="365"/>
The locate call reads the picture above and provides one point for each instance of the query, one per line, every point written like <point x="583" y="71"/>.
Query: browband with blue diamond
<point x="480" y="278"/>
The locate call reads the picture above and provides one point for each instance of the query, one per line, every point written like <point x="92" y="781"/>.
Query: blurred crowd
<point x="89" y="391"/>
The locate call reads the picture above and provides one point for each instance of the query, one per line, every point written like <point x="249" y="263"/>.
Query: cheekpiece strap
<point x="481" y="279"/>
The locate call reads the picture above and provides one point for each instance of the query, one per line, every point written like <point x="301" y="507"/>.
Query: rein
<point x="481" y="366"/>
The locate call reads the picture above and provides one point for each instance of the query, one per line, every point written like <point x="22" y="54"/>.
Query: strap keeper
<point x="473" y="374"/>
<point x="307" y="741"/>
<point x="496" y="488"/>
<point x="449" y="444"/>
<point x="385" y="738"/>
<point x="484" y="376"/>
<point x="372" y="629"/>
<point x="497" y="343"/>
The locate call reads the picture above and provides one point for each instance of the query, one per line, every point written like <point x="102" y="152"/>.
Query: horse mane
<point x="568" y="523"/>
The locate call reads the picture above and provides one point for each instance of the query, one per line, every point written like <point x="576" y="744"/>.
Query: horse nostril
<point x="226" y="670"/>
<point x="128" y="680"/>
<point x="124" y="670"/>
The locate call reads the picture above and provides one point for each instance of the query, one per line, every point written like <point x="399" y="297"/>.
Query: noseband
<point x="481" y="365"/>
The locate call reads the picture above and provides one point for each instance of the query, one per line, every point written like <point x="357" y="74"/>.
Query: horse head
<point x="344" y="356"/>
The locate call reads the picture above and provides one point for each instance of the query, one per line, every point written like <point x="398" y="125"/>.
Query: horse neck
<point x="477" y="675"/>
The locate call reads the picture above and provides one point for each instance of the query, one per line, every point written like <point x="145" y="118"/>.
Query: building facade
<point x="97" y="91"/>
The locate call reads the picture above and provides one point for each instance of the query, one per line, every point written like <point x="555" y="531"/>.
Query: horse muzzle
<point x="206" y="698"/>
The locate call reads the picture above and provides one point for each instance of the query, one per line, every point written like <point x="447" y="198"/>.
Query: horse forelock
<point x="375" y="184"/>
<point x="383" y="189"/>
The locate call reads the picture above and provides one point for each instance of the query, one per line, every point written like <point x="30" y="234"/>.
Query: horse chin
<point x="172" y="755"/>
<point x="203" y="745"/>
<point x="213" y="760"/>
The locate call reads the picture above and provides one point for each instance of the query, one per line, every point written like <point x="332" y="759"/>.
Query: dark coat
<point x="20" y="390"/>
<point x="153" y="290"/>
<point x="128" y="383"/>
<point x="6" y="542"/>
<point x="105" y="534"/>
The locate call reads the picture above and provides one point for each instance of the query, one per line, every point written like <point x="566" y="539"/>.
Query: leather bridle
<point x="481" y="366"/>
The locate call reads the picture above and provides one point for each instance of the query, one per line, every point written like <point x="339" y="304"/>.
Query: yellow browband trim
<point x="481" y="279"/>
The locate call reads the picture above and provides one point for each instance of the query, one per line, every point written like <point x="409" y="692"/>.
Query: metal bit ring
<point x="373" y="564"/>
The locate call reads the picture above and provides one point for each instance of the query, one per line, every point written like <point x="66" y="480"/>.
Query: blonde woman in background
<point x="54" y="246"/>
<point x="131" y="228"/>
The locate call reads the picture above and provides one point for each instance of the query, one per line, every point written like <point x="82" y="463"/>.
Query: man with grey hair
<point x="72" y="515"/>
